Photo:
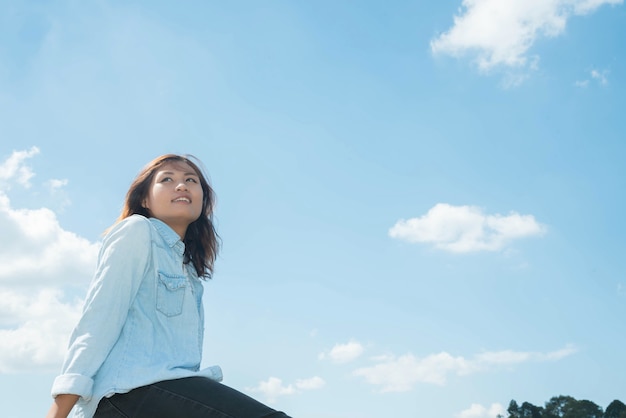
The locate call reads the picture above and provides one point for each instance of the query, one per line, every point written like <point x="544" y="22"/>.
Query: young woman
<point x="137" y="348"/>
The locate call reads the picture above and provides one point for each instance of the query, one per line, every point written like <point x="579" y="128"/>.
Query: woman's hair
<point x="201" y="239"/>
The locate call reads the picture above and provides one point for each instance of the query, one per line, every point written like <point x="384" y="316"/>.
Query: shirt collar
<point x="169" y="236"/>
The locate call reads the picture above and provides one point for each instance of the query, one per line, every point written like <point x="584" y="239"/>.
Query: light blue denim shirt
<point x="142" y="321"/>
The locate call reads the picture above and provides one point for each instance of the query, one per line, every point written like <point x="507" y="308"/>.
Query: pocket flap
<point x="172" y="281"/>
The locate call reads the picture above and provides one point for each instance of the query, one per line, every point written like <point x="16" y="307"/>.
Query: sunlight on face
<point x="175" y="196"/>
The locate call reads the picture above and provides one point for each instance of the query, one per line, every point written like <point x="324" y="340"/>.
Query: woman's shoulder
<point x="135" y="225"/>
<point x="136" y="219"/>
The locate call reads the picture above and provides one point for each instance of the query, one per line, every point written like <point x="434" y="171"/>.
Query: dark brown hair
<point x="201" y="239"/>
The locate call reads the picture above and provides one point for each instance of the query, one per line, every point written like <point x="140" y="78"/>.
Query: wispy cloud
<point x="599" y="76"/>
<point x="273" y="388"/>
<point x="463" y="229"/>
<point x="400" y="374"/>
<point x="479" y="411"/>
<point x="343" y="353"/>
<point x="582" y="83"/>
<point x="56" y="189"/>
<point x="38" y="260"/>
<point x="500" y="34"/>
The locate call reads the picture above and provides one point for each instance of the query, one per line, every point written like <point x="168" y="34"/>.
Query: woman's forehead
<point x="180" y="166"/>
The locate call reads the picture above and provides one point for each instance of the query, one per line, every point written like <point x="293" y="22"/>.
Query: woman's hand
<point x="62" y="406"/>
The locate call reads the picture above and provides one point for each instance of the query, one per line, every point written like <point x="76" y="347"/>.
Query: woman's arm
<point x="123" y="260"/>
<point x="62" y="406"/>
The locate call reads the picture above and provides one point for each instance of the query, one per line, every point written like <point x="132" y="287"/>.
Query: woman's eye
<point x="164" y="179"/>
<point x="191" y="179"/>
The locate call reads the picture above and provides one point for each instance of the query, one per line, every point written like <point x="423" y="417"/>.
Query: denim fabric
<point x="193" y="397"/>
<point x="142" y="321"/>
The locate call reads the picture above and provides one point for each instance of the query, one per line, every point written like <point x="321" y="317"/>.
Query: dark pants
<point x="192" y="397"/>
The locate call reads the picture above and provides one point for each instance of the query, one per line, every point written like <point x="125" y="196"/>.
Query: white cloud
<point x="273" y="387"/>
<point x="556" y="355"/>
<point x="34" y="329"/>
<point x="37" y="260"/>
<point x="500" y="33"/>
<point x="55" y="184"/>
<point x="313" y="383"/>
<point x="343" y="353"/>
<point x="40" y="251"/>
<point x="462" y="229"/>
<point x="479" y="411"/>
<point x="400" y="374"/>
<point x="509" y="357"/>
<point x="14" y="168"/>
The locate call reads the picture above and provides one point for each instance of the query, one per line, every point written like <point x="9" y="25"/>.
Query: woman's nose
<point x="181" y="186"/>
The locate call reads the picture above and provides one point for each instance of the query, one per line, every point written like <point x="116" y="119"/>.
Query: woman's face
<point x="175" y="196"/>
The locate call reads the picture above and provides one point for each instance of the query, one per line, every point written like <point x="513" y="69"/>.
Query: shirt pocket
<point x="170" y="293"/>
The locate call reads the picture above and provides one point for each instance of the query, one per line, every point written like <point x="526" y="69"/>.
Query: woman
<point x="137" y="348"/>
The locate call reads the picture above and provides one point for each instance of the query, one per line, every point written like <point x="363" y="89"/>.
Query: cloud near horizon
<point x="464" y="229"/>
<point x="273" y="387"/>
<point x="400" y="374"/>
<point x="497" y="33"/>
<point x="479" y="411"/>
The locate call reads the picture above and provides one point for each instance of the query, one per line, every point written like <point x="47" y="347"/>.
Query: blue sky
<point x="421" y="203"/>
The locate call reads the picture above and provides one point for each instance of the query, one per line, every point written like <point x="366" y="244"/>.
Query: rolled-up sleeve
<point x="122" y="264"/>
<point x="73" y="383"/>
